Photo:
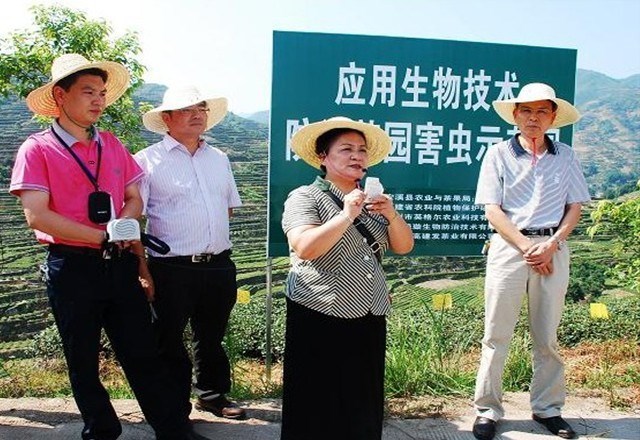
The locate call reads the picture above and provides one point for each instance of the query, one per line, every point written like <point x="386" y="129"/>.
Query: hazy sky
<point x="225" y="46"/>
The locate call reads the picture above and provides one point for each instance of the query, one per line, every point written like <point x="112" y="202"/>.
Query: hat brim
<point x="40" y="101"/>
<point x="303" y="142"/>
<point x="152" y="119"/>
<point x="566" y="114"/>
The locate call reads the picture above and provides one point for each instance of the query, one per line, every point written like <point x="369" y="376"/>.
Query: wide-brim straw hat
<point x="304" y="140"/>
<point x="566" y="113"/>
<point x="176" y="98"/>
<point x="41" y="102"/>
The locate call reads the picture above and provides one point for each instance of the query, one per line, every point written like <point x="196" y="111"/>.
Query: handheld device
<point x="372" y="188"/>
<point x="123" y="229"/>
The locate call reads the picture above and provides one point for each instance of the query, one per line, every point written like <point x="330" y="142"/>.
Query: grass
<point x="430" y="353"/>
<point x="610" y="370"/>
<point x="48" y="378"/>
<point x="612" y="367"/>
<point x="423" y="359"/>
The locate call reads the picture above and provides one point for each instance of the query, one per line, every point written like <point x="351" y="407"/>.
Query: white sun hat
<point x="566" y="113"/>
<point x="41" y="102"/>
<point x="304" y="140"/>
<point x="176" y="98"/>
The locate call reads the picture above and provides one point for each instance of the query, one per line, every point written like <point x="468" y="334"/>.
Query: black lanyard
<point x="94" y="180"/>
<point x="371" y="241"/>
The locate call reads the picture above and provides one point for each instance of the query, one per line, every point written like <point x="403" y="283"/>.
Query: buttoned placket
<point x="368" y="258"/>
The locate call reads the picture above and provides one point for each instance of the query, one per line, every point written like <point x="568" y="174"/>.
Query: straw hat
<point x="181" y="97"/>
<point x="40" y="100"/>
<point x="304" y="140"/>
<point x="566" y="113"/>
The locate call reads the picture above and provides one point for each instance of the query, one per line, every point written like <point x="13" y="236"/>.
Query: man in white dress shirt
<point x="189" y="193"/>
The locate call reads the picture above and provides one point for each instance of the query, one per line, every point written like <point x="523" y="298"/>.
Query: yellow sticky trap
<point x="443" y="301"/>
<point x="244" y="296"/>
<point x="598" y="311"/>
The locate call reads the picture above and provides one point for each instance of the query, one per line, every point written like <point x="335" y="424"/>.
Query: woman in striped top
<point x="337" y="297"/>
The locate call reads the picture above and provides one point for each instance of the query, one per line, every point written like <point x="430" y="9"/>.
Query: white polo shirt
<point x="532" y="196"/>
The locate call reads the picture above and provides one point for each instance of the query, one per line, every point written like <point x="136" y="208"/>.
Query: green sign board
<point x="433" y="98"/>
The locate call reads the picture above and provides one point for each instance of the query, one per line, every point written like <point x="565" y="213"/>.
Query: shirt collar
<point x="518" y="150"/>
<point x="67" y="137"/>
<point x="170" y="143"/>
<point x="327" y="185"/>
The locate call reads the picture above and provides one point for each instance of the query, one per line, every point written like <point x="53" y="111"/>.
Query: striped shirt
<point x="347" y="281"/>
<point x="532" y="196"/>
<point x="186" y="198"/>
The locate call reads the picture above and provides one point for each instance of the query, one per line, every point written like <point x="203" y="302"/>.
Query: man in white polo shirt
<point x="532" y="189"/>
<point x="189" y="193"/>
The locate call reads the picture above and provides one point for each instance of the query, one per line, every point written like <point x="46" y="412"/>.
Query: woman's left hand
<point x="382" y="204"/>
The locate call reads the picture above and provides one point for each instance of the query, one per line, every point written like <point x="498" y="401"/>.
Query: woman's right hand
<point x="353" y="203"/>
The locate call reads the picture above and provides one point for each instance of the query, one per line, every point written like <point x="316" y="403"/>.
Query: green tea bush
<point x="577" y="325"/>
<point x="48" y="345"/>
<point x="586" y="281"/>
<point x="247" y="330"/>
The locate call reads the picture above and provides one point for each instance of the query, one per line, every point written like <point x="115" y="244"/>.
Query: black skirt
<point x="333" y="376"/>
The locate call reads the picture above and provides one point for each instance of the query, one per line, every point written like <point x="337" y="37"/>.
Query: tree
<point x="26" y="57"/>
<point x="621" y="219"/>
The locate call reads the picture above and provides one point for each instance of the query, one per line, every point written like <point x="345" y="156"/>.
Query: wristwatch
<point x="559" y="242"/>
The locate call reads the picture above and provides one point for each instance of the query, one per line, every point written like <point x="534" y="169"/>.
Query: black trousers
<point x="88" y="294"/>
<point x="202" y="294"/>
<point x="333" y="376"/>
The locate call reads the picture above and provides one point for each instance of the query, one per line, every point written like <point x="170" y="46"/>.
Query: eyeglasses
<point x="192" y="111"/>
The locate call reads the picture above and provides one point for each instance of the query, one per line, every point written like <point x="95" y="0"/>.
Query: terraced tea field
<point x="23" y="304"/>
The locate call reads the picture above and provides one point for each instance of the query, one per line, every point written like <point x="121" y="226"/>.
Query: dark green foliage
<point x="624" y="323"/>
<point x="426" y="351"/>
<point x="48" y="344"/>
<point x="587" y="281"/>
<point x="26" y="57"/>
<point x="248" y="328"/>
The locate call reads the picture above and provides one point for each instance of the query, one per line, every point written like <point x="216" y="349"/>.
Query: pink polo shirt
<point x="43" y="164"/>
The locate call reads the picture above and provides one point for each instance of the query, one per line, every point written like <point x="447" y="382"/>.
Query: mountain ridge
<point x="605" y="139"/>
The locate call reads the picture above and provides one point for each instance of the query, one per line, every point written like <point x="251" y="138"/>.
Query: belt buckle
<point x="375" y="246"/>
<point x="199" y="258"/>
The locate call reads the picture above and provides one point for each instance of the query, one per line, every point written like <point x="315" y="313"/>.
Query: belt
<point x="65" y="249"/>
<point x="197" y="258"/>
<point x="543" y="231"/>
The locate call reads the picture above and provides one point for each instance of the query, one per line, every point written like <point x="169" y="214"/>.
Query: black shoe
<point x="484" y="428"/>
<point x="556" y="425"/>
<point x="221" y="407"/>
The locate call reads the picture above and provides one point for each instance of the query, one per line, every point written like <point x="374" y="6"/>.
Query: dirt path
<point x="58" y="419"/>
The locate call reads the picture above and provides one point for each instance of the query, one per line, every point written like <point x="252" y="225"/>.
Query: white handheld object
<point x="123" y="229"/>
<point x="373" y="188"/>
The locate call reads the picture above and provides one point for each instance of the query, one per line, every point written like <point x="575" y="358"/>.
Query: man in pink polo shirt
<point x="73" y="179"/>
